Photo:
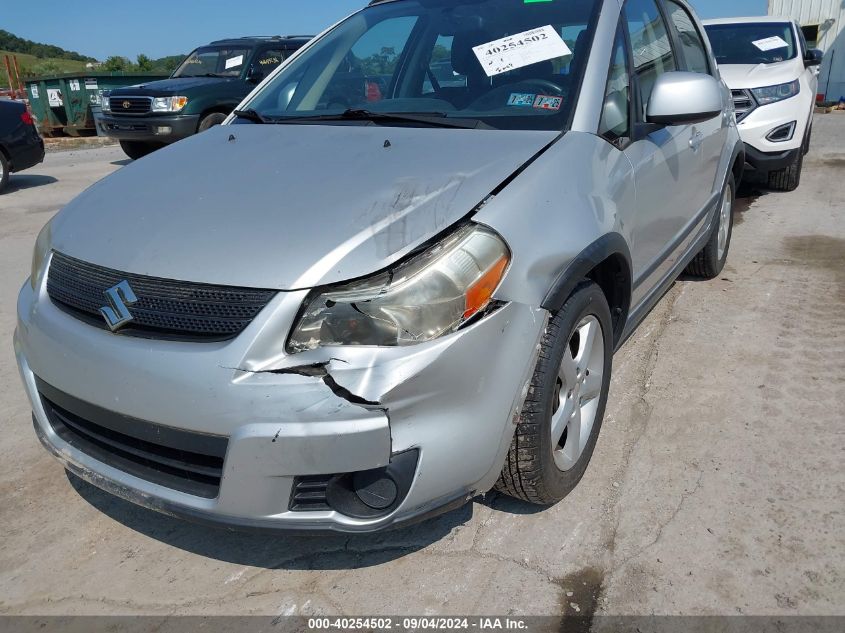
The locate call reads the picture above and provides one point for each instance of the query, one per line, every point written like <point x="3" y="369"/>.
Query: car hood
<point x="169" y="87"/>
<point x="741" y="76"/>
<point x="288" y="206"/>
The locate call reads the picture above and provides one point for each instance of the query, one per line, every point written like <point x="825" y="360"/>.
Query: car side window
<point x="615" y="125"/>
<point x="692" y="45"/>
<point x="651" y="45"/>
<point x="269" y="60"/>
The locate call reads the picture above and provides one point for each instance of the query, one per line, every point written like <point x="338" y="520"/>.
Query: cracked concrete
<point x="716" y="486"/>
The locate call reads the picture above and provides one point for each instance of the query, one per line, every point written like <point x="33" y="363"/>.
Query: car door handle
<point x="696" y="141"/>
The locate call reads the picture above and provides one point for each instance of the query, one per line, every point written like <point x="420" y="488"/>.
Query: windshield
<point x="752" y="43"/>
<point x="509" y="64"/>
<point x="213" y="61"/>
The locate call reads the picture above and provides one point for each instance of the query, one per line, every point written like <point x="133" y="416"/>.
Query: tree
<point x="116" y="63"/>
<point x="145" y="64"/>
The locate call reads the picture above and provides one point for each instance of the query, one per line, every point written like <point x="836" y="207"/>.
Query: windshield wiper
<point x="435" y="119"/>
<point x="251" y="115"/>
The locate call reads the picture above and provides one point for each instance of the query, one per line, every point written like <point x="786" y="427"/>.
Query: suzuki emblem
<point x="117" y="313"/>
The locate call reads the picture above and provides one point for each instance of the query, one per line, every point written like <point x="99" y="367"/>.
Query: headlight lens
<point x="429" y="296"/>
<point x="771" y="94"/>
<point x="169" y="104"/>
<point x="39" y="255"/>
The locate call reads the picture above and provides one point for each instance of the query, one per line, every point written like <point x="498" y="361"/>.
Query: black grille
<point x="309" y="493"/>
<point x="744" y="103"/>
<point x="136" y="105"/>
<point x="182" y="460"/>
<point x="166" y="309"/>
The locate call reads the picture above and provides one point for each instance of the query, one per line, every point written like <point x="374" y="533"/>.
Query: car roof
<point x="253" y="40"/>
<point x="750" y="20"/>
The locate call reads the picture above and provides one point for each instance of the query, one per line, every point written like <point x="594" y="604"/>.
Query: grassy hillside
<point x="32" y="65"/>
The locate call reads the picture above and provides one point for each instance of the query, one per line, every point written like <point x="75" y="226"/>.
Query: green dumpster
<point x="62" y="103"/>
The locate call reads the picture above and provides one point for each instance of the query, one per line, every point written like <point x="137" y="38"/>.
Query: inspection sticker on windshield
<point x="234" y="61"/>
<point x="771" y="43"/>
<point x="546" y="102"/>
<point x="520" y="50"/>
<point x="521" y="99"/>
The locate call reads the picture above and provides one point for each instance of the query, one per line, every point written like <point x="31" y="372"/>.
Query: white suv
<point x="773" y="77"/>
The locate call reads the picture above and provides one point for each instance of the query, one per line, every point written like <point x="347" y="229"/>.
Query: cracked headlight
<point x="772" y="94"/>
<point x="39" y="255"/>
<point x="426" y="297"/>
<point x="169" y="104"/>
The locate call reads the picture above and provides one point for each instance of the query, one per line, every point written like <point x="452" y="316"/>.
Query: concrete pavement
<point x="717" y="485"/>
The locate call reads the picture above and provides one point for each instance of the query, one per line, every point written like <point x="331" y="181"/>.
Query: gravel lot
<point x="717" y="486"/>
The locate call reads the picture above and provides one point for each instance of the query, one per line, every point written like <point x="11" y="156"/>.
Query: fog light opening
<point x="375" y="493"/>
<point x="782" y="133"/>
<point x="377" y="490"/>
<point x="162" y="130"/>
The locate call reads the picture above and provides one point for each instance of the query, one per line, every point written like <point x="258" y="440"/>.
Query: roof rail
<point x="261" y="37"/>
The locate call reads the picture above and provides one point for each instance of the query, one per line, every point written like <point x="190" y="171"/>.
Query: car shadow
<point x="19" y="182"/>
<point x="121" y="163"/>
<point x="268" y="550"/>
<point x="509" y="505"/>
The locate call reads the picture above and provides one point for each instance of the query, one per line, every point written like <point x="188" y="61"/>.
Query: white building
<point x="823" y="23"/>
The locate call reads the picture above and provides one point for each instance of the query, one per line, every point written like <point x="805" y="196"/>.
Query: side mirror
<point x="813" y="57"/>
<point x="255" y="75"/>
<point x="683" y="98"/>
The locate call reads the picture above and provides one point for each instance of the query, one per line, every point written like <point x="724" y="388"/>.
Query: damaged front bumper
<point x="444" y="410"/>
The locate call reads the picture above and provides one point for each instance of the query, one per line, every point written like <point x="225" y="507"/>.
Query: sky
<point x="163" y="27"/>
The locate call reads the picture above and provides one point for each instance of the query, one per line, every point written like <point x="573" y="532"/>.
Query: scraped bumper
<point x="450" y="402"/>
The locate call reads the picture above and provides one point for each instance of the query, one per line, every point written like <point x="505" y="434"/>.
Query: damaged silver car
<point x="396" y="277"/>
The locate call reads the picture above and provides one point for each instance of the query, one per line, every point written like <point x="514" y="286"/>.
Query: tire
<point x="787" y="179"/>
<point x="138" y="149"/>
<point x="710" y="261"/>
<point x="4" y="172"/>
<point x="210" y="120"/>
<point x="532" y="470"/>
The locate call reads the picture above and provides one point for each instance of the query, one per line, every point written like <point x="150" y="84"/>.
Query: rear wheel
<point x="210" y="120"/>
<point x="709" y="263"/>
<point x="138" y="149"/>
<point x="788" y="179"/>
<point x="4" y="172"/>
<point x="560" y="421"/>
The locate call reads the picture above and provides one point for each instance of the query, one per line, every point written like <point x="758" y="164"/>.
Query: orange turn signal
<point x="479" y="293"/>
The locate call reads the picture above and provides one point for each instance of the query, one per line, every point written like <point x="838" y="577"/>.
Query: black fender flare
<point x="605" y="247"/>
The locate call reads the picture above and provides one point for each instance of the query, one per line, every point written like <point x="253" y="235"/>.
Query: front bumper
<point x="453" y="401"/>
<point x="149" y="128"/>
<point x="764" y="162"/>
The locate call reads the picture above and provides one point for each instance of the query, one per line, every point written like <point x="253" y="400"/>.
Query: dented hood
<point x="288" y="206"/>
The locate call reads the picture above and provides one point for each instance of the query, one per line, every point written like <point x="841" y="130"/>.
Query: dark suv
<point x="205" y="88"/>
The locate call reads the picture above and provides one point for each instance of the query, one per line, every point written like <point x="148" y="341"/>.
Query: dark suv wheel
<point x="138" y="149"/>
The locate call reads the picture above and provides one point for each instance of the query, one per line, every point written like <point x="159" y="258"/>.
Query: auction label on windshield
<point x="232" y="62"/>
<point x="771" y="43"/>
<point x="520" y="50"/>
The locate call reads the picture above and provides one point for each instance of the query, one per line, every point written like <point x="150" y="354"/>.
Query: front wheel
<point x="4" y="172"/>
<point x="708" y="263"/>
<point x="138" y="149"/>
<point x="210" y="120"/>
<point x="560" y="420"/>
<point x="788" y="179"/>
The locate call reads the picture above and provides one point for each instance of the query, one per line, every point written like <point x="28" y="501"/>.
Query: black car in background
<point x="202" y="91"/>
<point x="20" y="145"/>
